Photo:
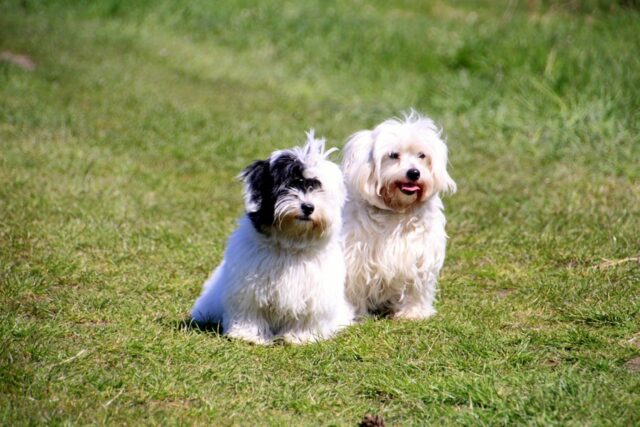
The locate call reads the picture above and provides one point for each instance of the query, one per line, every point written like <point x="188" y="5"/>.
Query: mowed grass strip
<point x="118" y="157"/>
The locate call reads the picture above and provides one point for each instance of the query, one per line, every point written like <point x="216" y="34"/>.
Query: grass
<point x="117" y="162"/>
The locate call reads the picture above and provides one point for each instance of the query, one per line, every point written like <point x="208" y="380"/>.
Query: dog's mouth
<point x="409" y="188"/>
<point x="303" y="218"/>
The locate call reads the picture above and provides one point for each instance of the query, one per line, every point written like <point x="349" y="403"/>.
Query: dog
<point x="283" y="272"/>
<point x="394" y="225"/>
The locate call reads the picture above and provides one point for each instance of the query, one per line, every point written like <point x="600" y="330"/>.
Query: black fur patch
<point x="267" y="182"/>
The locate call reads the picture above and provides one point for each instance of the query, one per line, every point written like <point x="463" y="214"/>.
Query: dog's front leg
<point x="417" y="303"/>
<point x="301" y="337"/>
<point x="255" y="330"/>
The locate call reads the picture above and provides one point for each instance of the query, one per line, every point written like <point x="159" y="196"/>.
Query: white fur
<point x="395" y="242"/>
<point x="289" y="282"/>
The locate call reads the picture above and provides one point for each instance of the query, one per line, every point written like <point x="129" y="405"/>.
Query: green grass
<point x="117" y="191"/>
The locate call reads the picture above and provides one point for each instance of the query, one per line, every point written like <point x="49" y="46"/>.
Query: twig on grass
<point x="64" y="362"/>
<point x="69" y="360"/>
<point x="113" y="399"/>
<point x="72" y="358"/>
<point x="23" y="61"/>
<point x="607" y="263"/>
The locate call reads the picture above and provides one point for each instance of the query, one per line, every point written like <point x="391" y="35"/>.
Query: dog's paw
<point x="414" y="313"/>
<point x="250" y="336"/>
<point x="298" y="337"/>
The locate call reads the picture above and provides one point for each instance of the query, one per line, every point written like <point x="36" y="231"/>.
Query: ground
<point x="124" y="124"/>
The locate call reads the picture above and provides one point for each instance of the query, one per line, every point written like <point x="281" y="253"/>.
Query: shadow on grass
<point x="379" y="314"/>
<point x="188" y="324"/>
<point x="212" y="328"/>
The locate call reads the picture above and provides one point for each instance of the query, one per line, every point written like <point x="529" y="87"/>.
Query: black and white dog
<point x="283" y="272"/>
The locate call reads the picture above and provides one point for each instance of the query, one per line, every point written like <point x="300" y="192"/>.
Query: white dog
<point x="394" y="225"/>
<point x="283" y="271"/>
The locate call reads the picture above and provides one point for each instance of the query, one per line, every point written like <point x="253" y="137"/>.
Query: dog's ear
<point x="442" y="181"/>
<point x="432" y="137"/>
<point x="359" y="167"/>
<point x="257" y="181"/>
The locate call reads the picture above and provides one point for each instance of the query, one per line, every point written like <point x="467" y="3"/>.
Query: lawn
<point x="119" y="149"/>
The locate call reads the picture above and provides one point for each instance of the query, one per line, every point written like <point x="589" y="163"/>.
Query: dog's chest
<point x="285" y="286"/>
<point x="399" y="254"/>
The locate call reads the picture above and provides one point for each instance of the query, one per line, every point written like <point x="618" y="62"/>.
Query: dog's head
<point x="398" y="165"/>
<point x="295" y="194"/>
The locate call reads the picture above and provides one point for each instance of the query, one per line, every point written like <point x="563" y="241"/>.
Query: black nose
<point x="413" y="174"/>
<point x="307" y="208"/>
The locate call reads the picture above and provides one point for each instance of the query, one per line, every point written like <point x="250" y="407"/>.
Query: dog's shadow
<point x="378" y="314"/>
<point x="188" y="324"/>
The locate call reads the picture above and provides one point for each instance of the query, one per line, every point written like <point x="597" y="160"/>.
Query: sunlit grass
<point x="117" y="162"/>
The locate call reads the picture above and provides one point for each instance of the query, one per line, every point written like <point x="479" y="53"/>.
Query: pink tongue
<point x="409" y="187"/>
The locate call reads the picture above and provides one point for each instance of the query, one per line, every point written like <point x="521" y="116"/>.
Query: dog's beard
<point x="400" y="195"/>
<point x="289" y="221"/>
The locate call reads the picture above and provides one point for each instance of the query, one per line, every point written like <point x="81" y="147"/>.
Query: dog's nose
<point x="307" y="208"/>
<point x="413" y="174"/>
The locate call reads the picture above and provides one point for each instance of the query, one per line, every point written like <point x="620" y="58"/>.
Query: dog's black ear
<point x="258" y="200"/>
<point x="257" y="184"/>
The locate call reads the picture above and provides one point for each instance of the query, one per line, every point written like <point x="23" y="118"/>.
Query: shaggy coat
<point x="394" y="232"/>
<point x="283" y="271"/>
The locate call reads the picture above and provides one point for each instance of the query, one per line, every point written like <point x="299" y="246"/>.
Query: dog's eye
<point x="394" y="155"/>
<point x="422" y="155"/>
<point x="313" y="184"/>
